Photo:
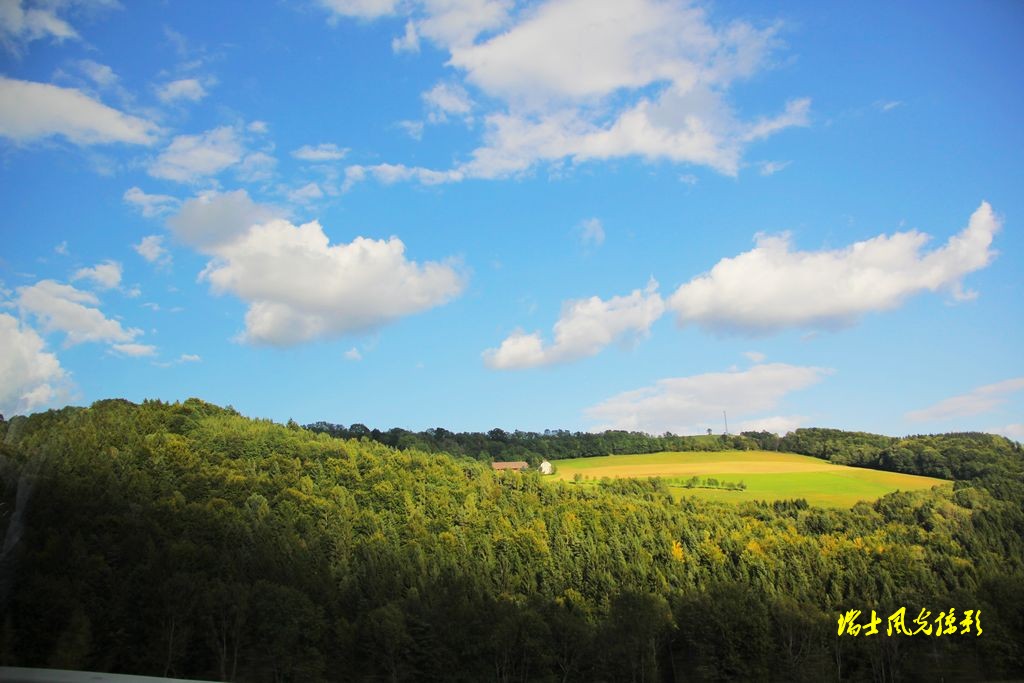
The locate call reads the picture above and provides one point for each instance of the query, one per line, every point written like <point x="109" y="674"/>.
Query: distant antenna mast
<point x="726" y="418"/>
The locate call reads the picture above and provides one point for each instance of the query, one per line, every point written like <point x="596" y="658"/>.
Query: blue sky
<point x="555" y="214"/>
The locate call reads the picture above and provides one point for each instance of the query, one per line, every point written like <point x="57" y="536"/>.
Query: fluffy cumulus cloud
<point x="579" y="80"/>
<point x="106" y="275"/>
<point x="184" y="89"/>
<point x="984" y="399"/>
<point x="192" y="157"/>
<point x="585" y="327"/>
<point x="774" y="286"/>
<point x="298" y="285"/>
<point x="32" y="111"/>
<point x="689" y="405"/>
<point x="30" y="376"/>
<point x="62" y="308"/>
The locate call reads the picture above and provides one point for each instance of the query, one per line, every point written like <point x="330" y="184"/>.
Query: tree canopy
<point x="184" y="539"/>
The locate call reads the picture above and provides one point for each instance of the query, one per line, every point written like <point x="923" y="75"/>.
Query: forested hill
<point x="184" y="539"/>
<point x="949" y="456"/>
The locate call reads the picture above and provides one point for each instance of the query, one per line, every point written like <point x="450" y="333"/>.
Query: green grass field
<point x="767" y="475"/>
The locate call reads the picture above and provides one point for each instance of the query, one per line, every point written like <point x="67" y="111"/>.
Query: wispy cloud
<point x="984" y="399"/>
<point x="689" y="405"/>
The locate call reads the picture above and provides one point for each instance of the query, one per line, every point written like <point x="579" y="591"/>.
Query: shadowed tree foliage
<point x="184" y="539"/>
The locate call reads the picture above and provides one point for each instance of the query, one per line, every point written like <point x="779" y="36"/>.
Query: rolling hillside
<point x="767" y="476"/>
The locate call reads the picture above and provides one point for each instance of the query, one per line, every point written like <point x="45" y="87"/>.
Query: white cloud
<point x="30" y="376"/>
<point x="258" y="127"/>
<point x="134" y="350"/>
<point x="413" y="128"/>
<point x="214" y="218"/>
<point x="773" y="167"/>
<point x="689" y="405"/>
<point x="755" y="356"/>
<point x="981" y="400"/>
<point x="61" y="248"/>
<point x="256" y="167"/>
<point x="776" y="424"/>
<point x="444" y="22"/>
<point x="32" y="111"/>
<point x="579" y="80"/>
<point x="1011" y="431"/>
<point x="100" y="74"/>
<point x="585" y="327"/>
<point x="150" y="204"/>
<point x="447" y="98"/>
<point x="393" y="173"/>
<point x="62" y="308"/>
<point x="152" y="249"/>
<point x="408" y="41"/>
<point x="306" y="193"/>
<point x="19" y="24"/>
<point x="192" y="157"/>
<point x="353" y="354"/>
<point x="888" y="106"/>
<point x="188" y="89"/>
<point x="627" y="44"/>
<point x="795" y="114"/>
<point x="106" y="275"/>
<point x="773" y="287"/>
<point x="180" y="360"/>
<point x="298" y="285"/>
<point x="454" y="23"/>
<point x="322" y="152"/>
<point x="591" y="232"/>
<point x="363" y="9"/>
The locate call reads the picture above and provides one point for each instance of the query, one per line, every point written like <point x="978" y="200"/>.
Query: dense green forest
<point x="533" y="447"/>
<point x="949" y="456"/>
<point x="184" y="539"/>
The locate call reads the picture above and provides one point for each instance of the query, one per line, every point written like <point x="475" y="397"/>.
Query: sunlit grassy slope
<point x="767" y="475"/>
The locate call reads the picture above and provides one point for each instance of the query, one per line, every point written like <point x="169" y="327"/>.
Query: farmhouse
<point x="512" y="465"/>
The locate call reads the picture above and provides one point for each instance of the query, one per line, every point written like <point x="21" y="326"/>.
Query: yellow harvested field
<point x="767" y="476"/>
